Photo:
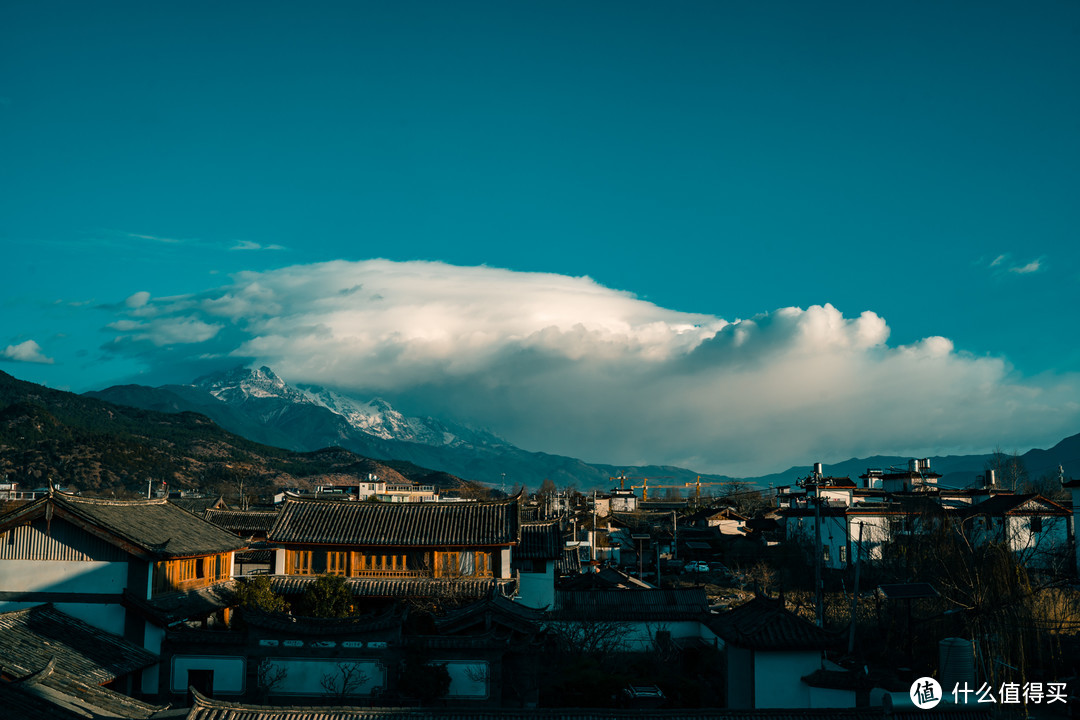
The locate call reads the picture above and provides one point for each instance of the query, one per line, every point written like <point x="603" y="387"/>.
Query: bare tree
<point x="347" y="680"/>
<point x="599" y="638"/>
<point x="271" y="675"/>
<point x="1009" y="470"/>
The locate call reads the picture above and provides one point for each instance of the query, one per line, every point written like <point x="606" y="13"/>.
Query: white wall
<point x="304" y="676"/>
<point x="107" y="616"/>
<point x="99" y="578"/>
<point x="151" y="676"/>
<point x="228" y="672"/>
<point x="639" y="636"/>
<point x="830" y="698"/>
<point x="778" y="678"/>
<point x="467" y="679"/>
<point x="537" y="590"/>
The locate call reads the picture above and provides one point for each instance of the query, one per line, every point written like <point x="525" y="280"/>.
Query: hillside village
<point x="353" y="595"/>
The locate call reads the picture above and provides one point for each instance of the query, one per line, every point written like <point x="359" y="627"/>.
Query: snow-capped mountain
<point x="274" y="397"/>
<point x="377" y="417"/>
<point x="260" y="406"/>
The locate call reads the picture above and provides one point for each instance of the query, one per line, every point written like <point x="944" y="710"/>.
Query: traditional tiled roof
<point x="198" y="505"/>
<point x="569" y="563"/>
<point x="765" y="624"/>
<point x="493" y="609"/>
<point x="391" y="619"/>
<point x="626" y="605"/>
<point x="256" y="555"/>
<point x="51" y="694"/>
<point x="31" y="638"/>
<point x="246" y="523"/>
<point x="147" y="528"/>
<point x="460" y="524"/>
<point x="1013" y="504"/>
<point x="605" y="579"/>
<point x="540" y="541"/>
<point x="207" y="709"/>
<point x="403" y="587"/>
<point x="174" y="607"/>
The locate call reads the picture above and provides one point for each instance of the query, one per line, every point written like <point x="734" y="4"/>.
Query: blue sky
<point x="696" y="162"/>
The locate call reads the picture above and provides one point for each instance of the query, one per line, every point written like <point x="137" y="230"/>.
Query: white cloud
<point x="562" y="364"/>
<point x="1005" y="264"/>
<point x="137" y="300"/>
<point x="28" y="352"/>
<point x="249" y="245"/>
<point x="1031" y="267"/>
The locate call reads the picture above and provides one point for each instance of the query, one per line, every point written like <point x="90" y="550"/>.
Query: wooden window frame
<point x="298" y="562"/>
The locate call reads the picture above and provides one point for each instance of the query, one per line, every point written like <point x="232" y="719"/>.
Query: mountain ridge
<point x="101" y="447"/>
<point x="257" y="404"/>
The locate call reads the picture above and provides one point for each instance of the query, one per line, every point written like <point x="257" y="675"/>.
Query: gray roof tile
<point x="30" y="638"/>
<point x="463" y="524"/>
<point x="765" y="624"/>
<point x="155" y="528"/>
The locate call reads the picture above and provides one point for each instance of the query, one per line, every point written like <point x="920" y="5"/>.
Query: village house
<point x="1073" y="486"/>
<point x="387" y="550"/>
<point x="1035" y="529"/>
<point x="535" y="560"/>
<point x="254" y="526"/>
<point x="770" y="651"/>
<point x="893" y="505"/>
<point x="112" y="563"/>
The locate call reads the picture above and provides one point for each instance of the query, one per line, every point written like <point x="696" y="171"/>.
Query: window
<point x="825" y="553"/>
<point x="300" y="562"/>
<point x="466" y="563"/>
<point x="843" y="555"/>
<point x="1036" y="524"/>
<point x="335" y="563"/>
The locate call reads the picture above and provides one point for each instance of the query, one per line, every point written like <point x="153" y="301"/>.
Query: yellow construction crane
<point x="623" y="478"/>
<point x="645" y="486"/>
<point x="696" y="485"/>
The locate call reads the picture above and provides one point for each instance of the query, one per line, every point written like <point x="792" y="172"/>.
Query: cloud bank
<point x="28" y="352"/>
<point x="564" y="365"/>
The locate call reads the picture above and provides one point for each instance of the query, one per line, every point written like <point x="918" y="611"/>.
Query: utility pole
<point x="855" y="594"/>
<point x="819" y="590"/>
<point x="592" y="540"/>
<point x="675" y="534"/>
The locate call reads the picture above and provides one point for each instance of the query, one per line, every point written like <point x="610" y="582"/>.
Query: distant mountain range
<point x="259" y="405"/>
<point x="97" y="446"/>
<point x="956" y="470"/>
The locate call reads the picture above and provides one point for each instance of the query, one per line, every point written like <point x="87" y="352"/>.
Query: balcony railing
<point x="387" y="574"/>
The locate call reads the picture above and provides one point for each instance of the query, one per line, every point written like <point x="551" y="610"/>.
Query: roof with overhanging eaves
<point x="764" y="623"/>
<point x="305" y="521"/>
<point x="205" y="708"/>
<point x="31" y="638"/>
<point x="146" y="528"/>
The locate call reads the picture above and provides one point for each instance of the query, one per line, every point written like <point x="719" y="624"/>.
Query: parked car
<point x="697" y="566"/>
<point x="721" y="568"/>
